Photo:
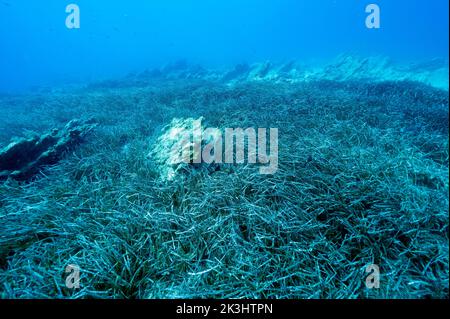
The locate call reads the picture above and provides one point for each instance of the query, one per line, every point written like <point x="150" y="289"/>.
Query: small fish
<point x="7" y="4"/>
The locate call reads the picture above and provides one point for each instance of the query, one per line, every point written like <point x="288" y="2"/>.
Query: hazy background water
<point x="117" y="37"/>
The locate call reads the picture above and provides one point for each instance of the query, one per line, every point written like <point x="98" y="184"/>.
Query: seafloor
<point x="362" y="179"/>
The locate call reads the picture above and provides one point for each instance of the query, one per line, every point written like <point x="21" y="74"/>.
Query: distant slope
<point x="344" y="68"/>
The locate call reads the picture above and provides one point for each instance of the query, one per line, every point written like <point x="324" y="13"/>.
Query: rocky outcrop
<point x="179" y="148"/>
<point x="381" y="69"/>
<point x="23" y="158"/>
<point x="344" y="68"/>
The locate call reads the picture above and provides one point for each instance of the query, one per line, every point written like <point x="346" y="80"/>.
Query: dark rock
<point x="25" y="157"/>
<point x="286" y="68"/>
<point x="241" y="70"/>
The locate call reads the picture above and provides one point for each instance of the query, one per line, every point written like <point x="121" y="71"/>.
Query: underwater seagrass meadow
<point x="362" y="179"/>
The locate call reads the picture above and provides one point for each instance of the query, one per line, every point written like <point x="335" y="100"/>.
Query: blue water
<point x="117" y="37"/>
